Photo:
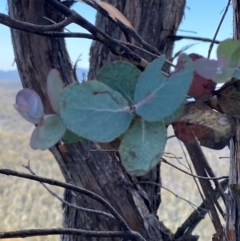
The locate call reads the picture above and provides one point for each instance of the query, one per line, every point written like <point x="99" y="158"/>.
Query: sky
<point x="201" y="20"/>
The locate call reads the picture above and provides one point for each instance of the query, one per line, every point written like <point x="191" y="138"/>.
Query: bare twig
<point x="83" y="233"/>
<point x="199" y="177"/>
<point x="108" y="215"/>
<point x="173" y="193"/>
<point x="75" y="68"/>
<point x="197" y="156"/>
<point x="129" y="31"/>
<point x="172" y="156"/>
<point x="113" y="45"/>
<point x="34" y="28"/>
<point x="190" y="168"/>
<point x="180" y="37"/>
<point x="196" y="216"/>
<point x="83" y="191"/>
<point x="218" y="28"/>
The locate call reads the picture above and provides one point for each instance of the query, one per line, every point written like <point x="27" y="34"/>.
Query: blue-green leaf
<point x="121" y="76"/>
<point x="94" y="111"/>
<point x="48" y="133"/>
<point x="157" y="97"/>
<point x="142" y="146"/>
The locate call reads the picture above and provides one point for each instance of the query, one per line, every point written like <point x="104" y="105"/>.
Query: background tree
<point x="100" y="172"/>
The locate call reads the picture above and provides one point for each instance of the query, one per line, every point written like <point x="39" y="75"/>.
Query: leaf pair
<point x="225" y="67"/>
<point x="49" y="128"/>
<point x="156" y="99"/>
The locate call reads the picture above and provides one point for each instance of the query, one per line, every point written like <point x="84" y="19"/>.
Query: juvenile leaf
<point x="142" y="146"/>
<point x="29" y="105"/>
<point x="157" y="97"/>
<point x="121" y="76"/>
<point x="48" y="133"/>
<point x="54" y="88"/>
<point x="207" y="68"/>
<point x="211" y="128"/>
<point x="230" y="49"/>
<point x="213" y="69"/>
<point x="94" y="111"/>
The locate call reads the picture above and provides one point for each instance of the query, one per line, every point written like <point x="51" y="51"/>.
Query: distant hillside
<point x="12" y="75"/>
<point x="26" y="204"/>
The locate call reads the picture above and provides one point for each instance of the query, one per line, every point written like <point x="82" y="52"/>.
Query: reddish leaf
<point x="211" y="128"/>
<point x="201" y="88"/>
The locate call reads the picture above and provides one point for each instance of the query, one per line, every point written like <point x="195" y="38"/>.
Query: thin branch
<point x="197" y="156"/>
<point x="66" y="35"/>
<point x="218" y="28"/>
<point x="196" y="216"/>
<point x="180" y="37"/>
<point x="29" y="27"/>
<point x="190" y="168"/>
<point x="127" y="30"/>
<point x="172" y="156"/>
<point x="172" y="136"/>
<point x="199" y="177"/>
<point x="113" y="45"/>
<point x="83" y="191"/>
<point x="173" y="193"/>
<point x="83" y="233"/>
<point x="67" y="203"/>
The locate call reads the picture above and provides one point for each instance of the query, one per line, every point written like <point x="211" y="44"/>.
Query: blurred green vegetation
<point x="26" y="204"/>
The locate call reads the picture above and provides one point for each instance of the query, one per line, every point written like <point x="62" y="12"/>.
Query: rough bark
<point x="153" y="21"/>
<point x="233" y="197"/>
<point x="98" y="171"/>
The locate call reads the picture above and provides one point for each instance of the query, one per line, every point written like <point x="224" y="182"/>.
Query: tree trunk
<point x="233" y="197"/>
<point x="153" y="21"/>
<point x="98" y="171"/>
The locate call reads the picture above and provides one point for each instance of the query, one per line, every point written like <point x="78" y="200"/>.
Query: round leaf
<point x="48" y="133"/>
<point x="94" y="111"/>
<point x="230" y="49"/>
<point x="121" y="76"/>
<point x="142" y="146"/>
<point x="29" y="105"/>
<point x="157" y="97"/>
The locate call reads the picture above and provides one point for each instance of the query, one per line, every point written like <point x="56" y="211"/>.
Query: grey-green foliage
<point x="142" y="146"/>
<point x="121" y="76"/>
<point x="156" y="96"/>
<point x="103" y="110"/>
<point x="94" y="111"/>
